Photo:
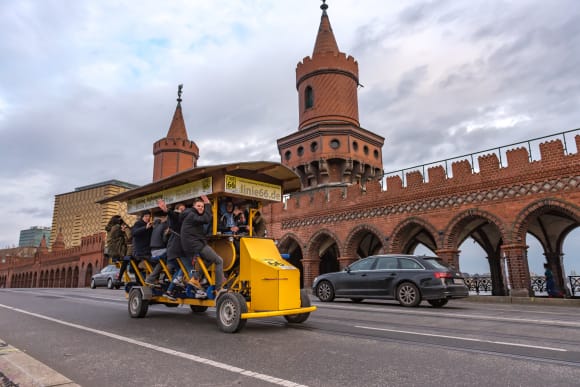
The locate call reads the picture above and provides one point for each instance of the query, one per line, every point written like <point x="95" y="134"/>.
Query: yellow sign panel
<point x="171" y="195"/>
<point x="253" y="188"/>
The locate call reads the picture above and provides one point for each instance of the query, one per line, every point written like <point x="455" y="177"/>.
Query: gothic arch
<point x="409" y="233"/>
<point x="357" y="236"/>
<point x="68" y="283"/>
<point x="290" y="244"/>
<point x="453" y="237"/>
<point x="75" y="283"/>
<point x="521" y="224"/>
<point x="324" y="247"/>
<point x="88" y="274"/>
<point x="317" y="240"/>
<point x="549" y="221"/>
<point x="288" y="239"/>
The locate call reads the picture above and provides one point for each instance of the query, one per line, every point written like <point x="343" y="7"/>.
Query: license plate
<point x="458" y="281"/>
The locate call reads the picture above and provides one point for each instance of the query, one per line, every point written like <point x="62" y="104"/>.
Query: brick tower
<point x="330" y="147"/>
<point x="175" y="152"/>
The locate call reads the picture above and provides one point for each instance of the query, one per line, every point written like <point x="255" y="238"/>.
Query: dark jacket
<point x="174" y="249"/>
<point x="158" y="236"/>
<point x="116" y="241"/>
<point x="141" y="239"/>
<point x="193" y="230"/>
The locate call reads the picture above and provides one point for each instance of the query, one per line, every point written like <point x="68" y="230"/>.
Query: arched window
<point x="308" y="98"/>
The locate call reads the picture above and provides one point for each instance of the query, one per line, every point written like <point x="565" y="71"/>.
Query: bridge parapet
<point x="411" y="183"/>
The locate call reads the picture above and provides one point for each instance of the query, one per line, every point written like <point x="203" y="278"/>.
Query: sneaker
<point x="200" y="294"/>
<point x="203" y="281"/>
<point x="151" y="283"/>
<point x="179" y="282"/>
<point x="195" y="283"/>
<point x="170" y="296"/>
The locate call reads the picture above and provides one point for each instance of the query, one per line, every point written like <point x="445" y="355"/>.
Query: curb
<point x="17" y="369"/>
<point x="524" y="300"/>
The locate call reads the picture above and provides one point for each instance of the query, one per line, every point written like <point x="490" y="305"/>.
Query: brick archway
<point x="290" y="244"/>
<point x="357" y="236"/>
<point x="549" y="221"/>
<point x="521" y="225"/>
<point x="452" y="237"/>
<point x="409" y="233"/>
<point x="327" y="241"/>
<point x="489" y="232"/>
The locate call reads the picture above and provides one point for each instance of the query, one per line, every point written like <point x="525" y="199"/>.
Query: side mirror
<point x="347" y="269"/>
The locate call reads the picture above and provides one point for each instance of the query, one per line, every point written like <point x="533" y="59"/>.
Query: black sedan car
<point x="107" y="277"/>
<point x="408" y="279"/>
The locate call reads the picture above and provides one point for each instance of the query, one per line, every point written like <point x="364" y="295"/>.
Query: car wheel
<point x="300" y="317"/>
<point x="325" y="291"/>
<point x="438" y="303"/>
<point x="198" y="308"/>
<point x="356" y="300"/>
<point x="137" y="305"/>
<point x="93" y="284"/>
<point x="230" y="308"/>
<point x="408" y="294"/>
<point x="110" y="283"/>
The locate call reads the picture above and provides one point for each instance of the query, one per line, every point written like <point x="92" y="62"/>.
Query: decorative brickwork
<point x="494" y="206"/>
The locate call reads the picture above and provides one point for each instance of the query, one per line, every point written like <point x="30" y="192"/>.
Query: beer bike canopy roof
<point x="258" y="180"/>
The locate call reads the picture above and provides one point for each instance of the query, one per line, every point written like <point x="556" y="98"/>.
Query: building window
<point x="334" y="143"/>
<point x="287" y="155"/>
<point x="314" y="146"/>
<point x="355" y="146"/>
<point x="300" y="150"/>
<point x="308" y="98"/>
<point x="376" y="154"/>
<point x="366" y="150"/>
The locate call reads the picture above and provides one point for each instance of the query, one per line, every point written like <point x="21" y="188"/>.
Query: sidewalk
<point x="20" y="370"/>
<point x="524" y="300"/>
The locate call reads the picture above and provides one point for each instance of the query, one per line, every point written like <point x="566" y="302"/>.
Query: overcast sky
<point x="87" y="87"/>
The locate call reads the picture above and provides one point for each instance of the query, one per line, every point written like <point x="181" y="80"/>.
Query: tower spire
<point x="325" y="40"/>
<point x="175" y="152"/>
<point x="177" y="129"/>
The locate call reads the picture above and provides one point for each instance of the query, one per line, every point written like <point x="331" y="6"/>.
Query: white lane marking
<point x="183" y="355"/>
<point x="463" y="338"/>
<point x="454" y="315"/>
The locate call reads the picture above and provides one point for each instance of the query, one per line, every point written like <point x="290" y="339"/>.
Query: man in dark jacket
<point x="141" y="233"/>
<point x="141" y="236"/>
<point x="159" y="237"/>
<point x="174" y="250"/>
<point x="194" y="237"/>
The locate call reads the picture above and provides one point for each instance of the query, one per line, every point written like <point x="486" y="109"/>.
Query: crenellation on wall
<point x="394" y="184"/>
<point x="414" y="179"/>
<point x="552" y="151"/>
<point x="436" y="175"/>
<point x="461" y="170"/>
<point x="488" y="164"/>
<point x="518" y="158"/>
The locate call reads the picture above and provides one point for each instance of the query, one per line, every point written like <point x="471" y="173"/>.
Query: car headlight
<point x="315" y="279"/>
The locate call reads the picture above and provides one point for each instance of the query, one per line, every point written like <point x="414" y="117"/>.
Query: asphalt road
<point x="88" y="336"/>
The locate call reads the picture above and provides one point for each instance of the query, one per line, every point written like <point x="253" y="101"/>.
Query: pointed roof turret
<point x="175" y="152"/>
<point x="58" y="244"/>
<point x="177" y="129"/>
<point x="325" y="40"/>
<point x="43" y="248"/>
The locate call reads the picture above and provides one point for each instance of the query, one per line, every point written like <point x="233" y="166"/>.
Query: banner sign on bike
<point x="253" y="188"/>
<point x="171" y="195"/>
